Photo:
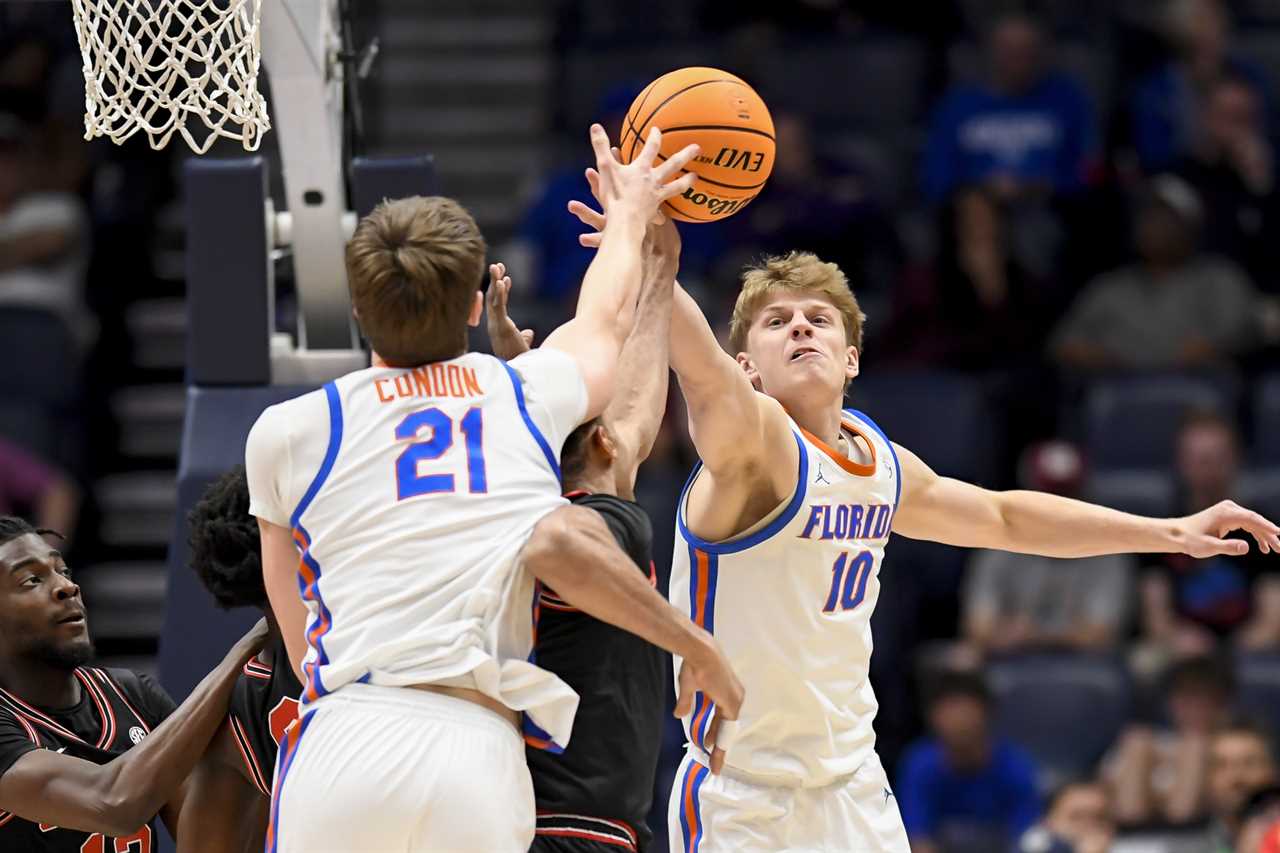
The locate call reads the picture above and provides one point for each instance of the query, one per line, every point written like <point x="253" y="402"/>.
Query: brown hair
<point x="413" y="267"/>
<point x="794" y="271"/>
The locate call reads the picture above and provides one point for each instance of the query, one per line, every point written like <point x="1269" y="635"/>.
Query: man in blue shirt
<point x="1026" y="131"/>
<point x="963" y="787"/>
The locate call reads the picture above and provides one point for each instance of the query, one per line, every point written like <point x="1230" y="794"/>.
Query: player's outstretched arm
<point x="573" y="552"/>
<point x="280" y="576"/>
<point x="222" y="812"/>
<point x="944" y="510"/>
<point x="116" y="798"/>
<point x="634" y="416"/>
<point x="631" y="195"/>
<point x="735" y="429"/>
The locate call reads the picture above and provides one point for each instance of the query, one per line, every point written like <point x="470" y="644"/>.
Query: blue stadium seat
<point x="1064" y="709"/>
<point x="1132" y="421"/>
<point x="943" y="417"/>
<point x="1143" y="492"/>
<point x="41" y="386"/>
<point x="1258" y="687"/>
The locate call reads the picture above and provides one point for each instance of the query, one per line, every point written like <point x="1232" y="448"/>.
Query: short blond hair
<point x="794" y="271"/>
<point x="413" y="268"/>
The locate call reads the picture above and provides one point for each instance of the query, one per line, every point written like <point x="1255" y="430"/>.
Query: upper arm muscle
<point x="941" y="509"/>
<point x="279" y="574"/>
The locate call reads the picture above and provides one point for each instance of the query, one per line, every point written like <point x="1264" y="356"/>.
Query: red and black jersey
<point x="117" y="709"/>
<point x="263" y="704"/>
<point x="600" y="787"/>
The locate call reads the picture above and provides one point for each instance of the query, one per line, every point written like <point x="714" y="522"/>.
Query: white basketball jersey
<point x="409" y="494"/>
<point x="790" y="603"/>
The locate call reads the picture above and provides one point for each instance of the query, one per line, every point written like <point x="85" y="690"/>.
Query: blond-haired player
<point x="411" y="490"/>
<point x="780" y="536"/>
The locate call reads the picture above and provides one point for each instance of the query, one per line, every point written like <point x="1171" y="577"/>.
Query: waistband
<point x="616" y="832"/>
<point x="424" y="703"/>
<point x="700" y="756"/>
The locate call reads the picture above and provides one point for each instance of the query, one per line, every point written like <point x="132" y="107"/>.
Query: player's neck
<point x="601" y="482"/>
<point x="823" y="420"/>
<point x="37" y="683"/>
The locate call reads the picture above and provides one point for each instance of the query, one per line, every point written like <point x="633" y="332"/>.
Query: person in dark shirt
<point x="229" y="796"/>
<point x="86" y="754"/>
<point x="594" y="795"/>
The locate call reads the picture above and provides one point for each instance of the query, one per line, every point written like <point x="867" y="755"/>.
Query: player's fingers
<point x="617" y="155"/>
<point x="587" y="216"/>
<point x="684" y="703"/>
<point x="600" y="145"/>
<point x="1227" y="547"/>
<point x="652" y="145"/>
<point x="717" y="760"/>
<point x="677" y="187"/>
<point x="593" y="180"/>
<point x="527" y="334"/>
<point x="675" y="164"/>
<point x="590" y="241"/>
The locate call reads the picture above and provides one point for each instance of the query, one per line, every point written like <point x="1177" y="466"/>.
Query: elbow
<point x="549" y="553"/>
<point x="121" y="816"/>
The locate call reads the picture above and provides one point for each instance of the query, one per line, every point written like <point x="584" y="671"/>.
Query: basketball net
<point x="160" y="66"/>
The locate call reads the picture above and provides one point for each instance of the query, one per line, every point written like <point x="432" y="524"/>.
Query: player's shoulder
<point x="138" y="689"/>
<point x="629" y="512"/>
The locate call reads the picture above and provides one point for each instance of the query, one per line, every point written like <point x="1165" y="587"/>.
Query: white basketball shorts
<point x="857" y="814"/>
<point x="396" y="770"/>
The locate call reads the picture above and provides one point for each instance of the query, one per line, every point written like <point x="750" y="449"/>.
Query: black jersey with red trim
<point x="117" y="709"/>
<point x="601" y="786"/>
<point x="263" y="704"/>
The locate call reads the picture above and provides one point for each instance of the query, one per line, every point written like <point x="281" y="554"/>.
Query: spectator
<point x="1019" y="603"/>
<point x="963" y="787"/>
<point x="1027" y="131"/>
<point x="1158" y="775"/>
<point x="44" y="244"/>
<point x="1188" y="604"/>
<point x="1078" y="820"/>
<point x="1241" y="764"/>
<point x="32" y="488"/>
<point x="1168" y="105"/>
<point x="1175" y="308"/>
<point x="1232" y="167"/>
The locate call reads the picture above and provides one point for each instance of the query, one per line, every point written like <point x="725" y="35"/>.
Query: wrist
<point x="624" y="217"/>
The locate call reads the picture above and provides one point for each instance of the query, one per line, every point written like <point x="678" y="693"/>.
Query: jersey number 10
<point x="849" y="581"/>
<point x="409" y="482"/>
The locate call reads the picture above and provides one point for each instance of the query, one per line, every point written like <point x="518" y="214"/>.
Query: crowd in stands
<point x="1073" y="228"/>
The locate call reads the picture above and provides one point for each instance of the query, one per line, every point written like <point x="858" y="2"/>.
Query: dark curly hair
<point x="225" y="551"/>
<point x="11" y="527"/>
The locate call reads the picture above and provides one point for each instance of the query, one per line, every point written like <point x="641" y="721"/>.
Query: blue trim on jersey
<point x="760" y="535"/>
<point x="545" y="743"/>
<point x="692" y="839"/>
<point x="283" y="763"/>
<point x="312" y="590"/>
<point x="330" y="453"/>
<point x="897" y="486"/>
<point x="528" y="421"/>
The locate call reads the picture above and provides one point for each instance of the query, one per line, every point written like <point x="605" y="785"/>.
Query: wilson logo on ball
<point x="715" y="206"/>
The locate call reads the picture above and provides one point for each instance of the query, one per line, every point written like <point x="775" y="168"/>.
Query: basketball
<point x="724" y="116"/>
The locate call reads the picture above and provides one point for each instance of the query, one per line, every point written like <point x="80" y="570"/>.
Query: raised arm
<point x="631" y="195"/>
<point x="280" y="576"/>
<point x="116" y="798"/>
<point x="944" y="510"/>
<point x="635" y="414"/>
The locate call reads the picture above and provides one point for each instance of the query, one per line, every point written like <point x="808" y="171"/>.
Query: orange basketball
<point x="724" y="116"/>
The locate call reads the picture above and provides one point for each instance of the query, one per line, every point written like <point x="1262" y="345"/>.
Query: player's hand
<point x="640" y="186"/>
<point x="709" y="672"/>
<point x="506" y="338"/>
<point x="1201" y="535"/>
<point x="250" y="644"/>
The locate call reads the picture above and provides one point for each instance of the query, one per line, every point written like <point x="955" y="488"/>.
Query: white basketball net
<point x="160" y="66"/>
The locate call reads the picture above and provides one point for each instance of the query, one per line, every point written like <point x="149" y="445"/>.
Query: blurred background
<point x="1061" y="217"/>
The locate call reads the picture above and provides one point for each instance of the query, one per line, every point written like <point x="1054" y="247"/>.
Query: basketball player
<point x="781" y="531"/>
<point x="596" y="794"/>
<point x="229" y="793"/>
<point x="410" y="489"/>
<point x="88" y="756"/>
